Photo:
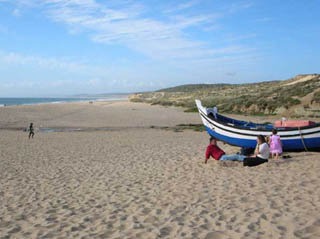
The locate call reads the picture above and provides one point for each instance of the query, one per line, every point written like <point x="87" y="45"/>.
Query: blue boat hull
<point x="312" y="144"/>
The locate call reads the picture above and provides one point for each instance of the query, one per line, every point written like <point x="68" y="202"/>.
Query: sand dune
<point x="302" y="78"/>
<point x="144" y="182"/>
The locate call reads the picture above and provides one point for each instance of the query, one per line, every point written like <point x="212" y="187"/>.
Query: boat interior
<point x="254" y="126"/>
<point x="239" y="123"/>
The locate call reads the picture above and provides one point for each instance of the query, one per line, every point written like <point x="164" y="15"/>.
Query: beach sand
<point x="134" y="181"/>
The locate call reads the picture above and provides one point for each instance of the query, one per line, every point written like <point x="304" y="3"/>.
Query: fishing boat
<point x="244" y="134"/>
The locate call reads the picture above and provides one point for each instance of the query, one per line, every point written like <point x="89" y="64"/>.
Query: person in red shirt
<point x="215" y="152"/>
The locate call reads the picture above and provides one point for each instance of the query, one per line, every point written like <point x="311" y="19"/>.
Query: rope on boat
<point x="304" y="145"/>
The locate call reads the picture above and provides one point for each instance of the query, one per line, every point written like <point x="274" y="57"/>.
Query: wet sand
<point x="135" y="181"/>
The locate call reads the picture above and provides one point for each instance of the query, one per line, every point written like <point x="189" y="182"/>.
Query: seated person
<point x="215" y="152"/>
<point x="261" y="153"/>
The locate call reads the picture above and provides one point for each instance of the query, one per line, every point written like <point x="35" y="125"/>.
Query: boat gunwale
<point x="282" y="129"/>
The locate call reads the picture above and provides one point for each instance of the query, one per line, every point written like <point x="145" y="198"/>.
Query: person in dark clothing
<point x="31" y="130"/>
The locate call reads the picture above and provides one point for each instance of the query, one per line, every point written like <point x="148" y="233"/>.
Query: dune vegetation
<point x="295" y="97"/>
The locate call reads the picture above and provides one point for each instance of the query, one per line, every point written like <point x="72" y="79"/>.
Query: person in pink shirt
<point x="275" y="144"/>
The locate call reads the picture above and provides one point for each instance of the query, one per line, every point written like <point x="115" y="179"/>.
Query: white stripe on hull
<point x="238" y="133"/>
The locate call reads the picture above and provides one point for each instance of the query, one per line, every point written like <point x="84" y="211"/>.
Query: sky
<point x="68" y="47"/>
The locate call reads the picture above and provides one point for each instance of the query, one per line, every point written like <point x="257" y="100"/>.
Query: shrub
<point x="316" y="97"/>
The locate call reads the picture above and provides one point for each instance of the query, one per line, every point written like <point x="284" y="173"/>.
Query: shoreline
<point x="76" y="100"/>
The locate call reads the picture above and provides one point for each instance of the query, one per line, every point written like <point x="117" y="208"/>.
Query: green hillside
<point x="296" y="97"/>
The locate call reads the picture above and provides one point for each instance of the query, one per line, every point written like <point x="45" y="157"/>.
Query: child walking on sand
<point x="31" y="130"/>
<point x="275" y="144"/>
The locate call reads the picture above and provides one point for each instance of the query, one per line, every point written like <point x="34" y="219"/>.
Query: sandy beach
<point x="123" y="178"/>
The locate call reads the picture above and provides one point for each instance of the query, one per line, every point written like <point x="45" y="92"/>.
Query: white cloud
<point x="48" y="63"/>
<point x="183" y="6"/>
<point x="240" y="6"/>
<point x="210" y="28"/>
<point x="94" y="82"/>
<point x="166" y="39"/>
<point x="158" y="39"/>
<point x="16" y="12"/>
<point x="129" y="25"/>
<point x="242" y="37"/>
<point x="55" y="73"/>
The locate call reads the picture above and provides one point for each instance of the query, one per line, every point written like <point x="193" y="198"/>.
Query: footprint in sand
<point x="165" y="231"/>
<point x="215" y="235"/>
<point x="313" y="230"/>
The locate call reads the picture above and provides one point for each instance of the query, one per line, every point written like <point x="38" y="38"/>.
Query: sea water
<point x="35" y="101"/>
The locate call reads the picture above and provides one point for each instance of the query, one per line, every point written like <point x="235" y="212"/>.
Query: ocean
<point x="35" y="101"/>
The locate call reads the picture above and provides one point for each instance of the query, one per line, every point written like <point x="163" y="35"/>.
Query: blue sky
<point x="66" y="47"/>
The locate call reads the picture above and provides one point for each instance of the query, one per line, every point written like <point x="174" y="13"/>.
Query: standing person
<point x="31" y="130"/>
<point x="261" y="155"/>
<point x="215" y="152"/>
<point x="275" y="144"/>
